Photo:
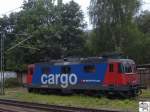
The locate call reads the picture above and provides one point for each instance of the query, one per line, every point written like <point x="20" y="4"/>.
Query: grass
<point x="77" y="100"/>
<point x="145" y="94"/>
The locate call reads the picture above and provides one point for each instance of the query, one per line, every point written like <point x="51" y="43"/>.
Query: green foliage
<point x="112" y="20"/>
<point x="11" y="83"/>
<point x="143" y="22"/>
<point x="56" y="31"/>
<point x="116" y="29"/>
<point x="112" y="11"/>
<point x="143" y="47"/>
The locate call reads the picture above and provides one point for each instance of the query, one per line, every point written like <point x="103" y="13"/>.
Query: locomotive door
<point x="30" y="74"/>
<point x="112" y="74"/>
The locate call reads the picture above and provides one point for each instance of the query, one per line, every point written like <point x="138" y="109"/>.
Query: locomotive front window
<point x="89" y="68"/>
<point x="127" y="68"/>
<point x="65" y="70"/>
<point x="120" y="68"/>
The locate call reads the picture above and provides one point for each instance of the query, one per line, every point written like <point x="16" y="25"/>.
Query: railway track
<point x="45" y="107"/>
<point x="5" y="110"/>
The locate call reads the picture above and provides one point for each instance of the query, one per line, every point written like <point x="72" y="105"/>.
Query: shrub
<point x="11" y="83"/>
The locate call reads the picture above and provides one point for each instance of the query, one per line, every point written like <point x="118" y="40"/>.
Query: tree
<point x="112" y="20"/>
<point x="72" y="29"/>
<point x="143" y="22"/>
<point x="56" y="31"/>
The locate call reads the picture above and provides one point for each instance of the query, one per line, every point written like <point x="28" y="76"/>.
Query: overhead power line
<point x="22" y="34"/>
<point x="11" y="10"/>
<point x="18" y="44"/>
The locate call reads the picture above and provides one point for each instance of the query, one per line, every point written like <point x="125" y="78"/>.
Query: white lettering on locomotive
<point x="64" y="79"/>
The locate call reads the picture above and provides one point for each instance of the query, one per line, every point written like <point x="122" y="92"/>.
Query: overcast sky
<point x="8" y="5"/>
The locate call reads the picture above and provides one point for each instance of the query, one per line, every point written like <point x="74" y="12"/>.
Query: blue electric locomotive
<point x="85" y="74"/>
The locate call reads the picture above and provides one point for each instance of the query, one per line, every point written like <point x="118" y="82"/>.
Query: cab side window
<point x="66" y="70"/>
<point x="89" y="69"/>
<point x="120" y="68"/>
<point x="111" y="68"/>
<point x="45" y="70"/>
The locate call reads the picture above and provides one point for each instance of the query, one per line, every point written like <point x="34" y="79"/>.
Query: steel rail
<point x="51" y="108"/>
<point x="6" y="110"/>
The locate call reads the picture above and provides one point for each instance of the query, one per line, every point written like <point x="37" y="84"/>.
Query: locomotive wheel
<point x="67" y="92"/>
<point x="130" y="94"/>
<point x="135" y="93"/>
<point x="109" y="94"/>
<point x="35" y="90"/>
<point x="125" y="94"/>
<point x="88" y="93"/>
<point x="30" y="90"/>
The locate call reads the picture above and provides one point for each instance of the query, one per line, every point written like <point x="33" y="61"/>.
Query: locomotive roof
<point x="90" y="60"/>
<point x="121" y="60"/>
<point x="68" y="61"/>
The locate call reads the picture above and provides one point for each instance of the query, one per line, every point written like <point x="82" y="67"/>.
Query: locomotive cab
<point x="127" y="70"/>
<point x="122" y="76"/>
<point x="130" y="79"/>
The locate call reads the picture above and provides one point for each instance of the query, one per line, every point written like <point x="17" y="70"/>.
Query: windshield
<point x="127" y="68"/>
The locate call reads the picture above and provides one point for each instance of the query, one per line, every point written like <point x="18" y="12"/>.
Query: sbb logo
<point x="63" y="79"/>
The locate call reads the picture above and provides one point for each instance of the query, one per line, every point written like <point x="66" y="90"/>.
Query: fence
<point x="8" y="74"/>
<point x="144" y="74"/>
